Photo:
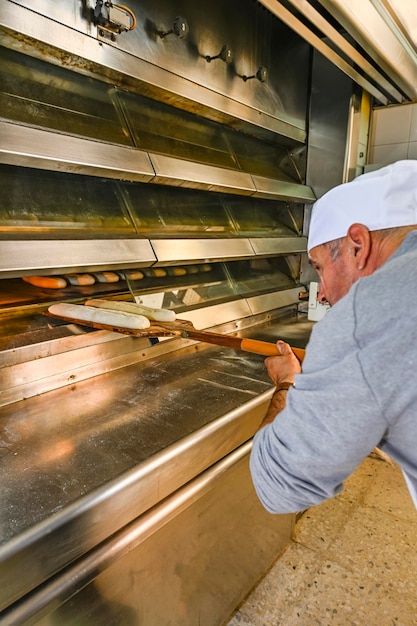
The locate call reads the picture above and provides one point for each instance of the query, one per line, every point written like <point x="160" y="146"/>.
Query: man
<point x="358" y="385"/>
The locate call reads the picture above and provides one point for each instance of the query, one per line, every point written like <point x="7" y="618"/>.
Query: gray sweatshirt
<point x="357" y="391"/>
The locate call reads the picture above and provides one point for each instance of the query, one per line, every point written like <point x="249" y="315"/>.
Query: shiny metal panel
<point x="163" y="211"/>
<point x="372" y="26"/>
<point x="400" y="13"/>
<point x="67" y="337"/>
<point x="171" y="251"/>
<point x="197" y="176"/>
<point x="71" y="104"/>
<point x="329" y="118"/>
<point x="267" y="246"/>
<point x="380" y="28"/>
<point x="318" y="43"/>
<point x="66" y="362"/>
<point x="42" y="204"/>
<point x="345" y="46"/>
<point x="269" y="301"/>
<point x="193" y="545"/>
<point x="61" y="12"/>
<point x="33" y="147"/>
<point x="220" y="314"/>
<point x="330" y="110"/>
<point x="27" y="257"/>
<point x="71" y="455"/>
<point x="71" y="444"/>
<point x="171" y="71"/>
<point x="37" y="148"/>
<point x="281" y="190"/>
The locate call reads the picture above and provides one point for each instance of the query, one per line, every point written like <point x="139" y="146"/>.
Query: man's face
<point x="337" y="275"/>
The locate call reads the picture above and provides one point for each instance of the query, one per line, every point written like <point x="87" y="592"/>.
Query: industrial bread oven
<point x="147" y="157"/>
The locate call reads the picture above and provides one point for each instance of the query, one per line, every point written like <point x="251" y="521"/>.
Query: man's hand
<point x="282" y="368"/>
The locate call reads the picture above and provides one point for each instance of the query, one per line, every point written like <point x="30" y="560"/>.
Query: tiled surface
<point x="391" y="125"/>
<point x="388" y="153"/>
<point x="353" y="561"/>
<point x="393" y="134"/>
<point x="413" y="129"/>
<point x="412" y="150"/>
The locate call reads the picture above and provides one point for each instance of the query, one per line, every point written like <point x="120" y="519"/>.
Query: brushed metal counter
<point x="80" y="463"/>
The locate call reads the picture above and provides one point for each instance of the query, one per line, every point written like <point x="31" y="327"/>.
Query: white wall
<point x="393" y="134"/>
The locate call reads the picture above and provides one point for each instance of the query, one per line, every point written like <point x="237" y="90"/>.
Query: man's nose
<point x="321" y="296"/>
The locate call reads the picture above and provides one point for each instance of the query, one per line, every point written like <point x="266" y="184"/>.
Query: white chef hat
<point x="385" y="198"/>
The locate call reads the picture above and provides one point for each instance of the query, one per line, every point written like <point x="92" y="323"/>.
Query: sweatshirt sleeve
<point x="331" y="422"/>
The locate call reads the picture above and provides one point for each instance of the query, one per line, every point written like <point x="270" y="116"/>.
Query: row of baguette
<point x="67" y="280"/>
<point x="129" y="315"/>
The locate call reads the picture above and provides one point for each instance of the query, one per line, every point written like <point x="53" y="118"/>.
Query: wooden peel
<point x="186" y="330"/>
<point x="265" y="348"/>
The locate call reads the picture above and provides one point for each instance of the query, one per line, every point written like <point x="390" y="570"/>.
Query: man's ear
<point x="359" y="238"/>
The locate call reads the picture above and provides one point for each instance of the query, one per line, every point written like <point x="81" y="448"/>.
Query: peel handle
<point x="267" y="349"/>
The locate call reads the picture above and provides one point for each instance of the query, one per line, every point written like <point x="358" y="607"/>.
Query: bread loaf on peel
<point x="100" y="316"/>
<point x="158" y="315"/>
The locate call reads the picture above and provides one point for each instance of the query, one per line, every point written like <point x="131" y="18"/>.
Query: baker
<point x="358" y="386"/>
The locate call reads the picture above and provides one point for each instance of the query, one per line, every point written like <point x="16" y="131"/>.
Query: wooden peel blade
<point x="186" y="330"/>
<point x="151" y="331"/>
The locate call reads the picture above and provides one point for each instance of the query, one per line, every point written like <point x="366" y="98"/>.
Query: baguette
<point x="157" y="272"/>
<point x="48" y="282"/>
<point x="106" y="277"/>
<point x="176" y="271"/>
<point x="131" y="275"/>
<point x="157" y="315"/>
<point x="80" y="279"/>
<point x="119" y="319"/>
